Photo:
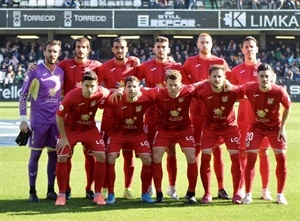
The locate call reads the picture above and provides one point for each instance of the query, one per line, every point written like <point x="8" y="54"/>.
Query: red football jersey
<point x="112" y="75"/>
<point x="174" y="112"/>
<point x="74" y="72"/>
<point x="266" y="105"/>
<point x="197" y="69"/>
<point x="219" y="106"/>
<point x="154" y="72"/>
<point x="128" y="116"/>
<point x="79" y="112"/>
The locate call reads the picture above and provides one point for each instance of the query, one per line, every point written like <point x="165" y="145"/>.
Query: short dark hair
<point x="250" y="38"/>
<point x="264" y="67"/>
<point x="90" y="76"/>
<point x="81" y="40"/>
<point x="173" y="75"/>
<point x="162" y="39"/>
<point x="131" y="79"/>
<point x="118" y="40"/>
<point x="52" y="42"/>
<point x="216" y="67"/>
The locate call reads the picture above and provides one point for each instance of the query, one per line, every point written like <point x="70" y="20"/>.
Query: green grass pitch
<point x="14" y="204"/>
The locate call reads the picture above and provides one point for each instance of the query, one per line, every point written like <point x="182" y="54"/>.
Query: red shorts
<point x="150" y="128"/>
<point x="91" y="139"/>
<point x="118" y="141"/>
<point x="197" y="124"/>
<point x="230" y="136"/>
<point x="185" y="138"/>
<point x="244" y="120"/>
<point x="256" y="135"/>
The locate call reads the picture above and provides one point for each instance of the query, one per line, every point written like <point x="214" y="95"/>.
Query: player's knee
<point x="111" y="158"/>
<point x="146" y="159"/>
<point x="263" y="152"/>
<point x="100" y="157"/>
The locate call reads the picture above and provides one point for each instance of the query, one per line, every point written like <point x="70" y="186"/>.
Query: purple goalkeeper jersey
<point x="44" y="88"/>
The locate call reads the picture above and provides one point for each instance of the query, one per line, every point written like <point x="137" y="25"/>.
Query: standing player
<point x="76" y="123"/>
<point x="154" y="73"/>
<point x="44" y="87"/>
<point x="265" y="98"/>
<point x="74" y="70"/>
<point x="241" y="74"/>
<point x="112" y="73"/>
<point x="219" y="122"/>
<point x="174" y="125"/>
<point x="127" y="132"/>
<point x="196" y="68"/>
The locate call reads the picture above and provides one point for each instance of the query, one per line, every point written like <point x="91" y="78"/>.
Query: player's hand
<point x="24" y="126"/>
<point x="117" y="95"/>
<point x="227" y="86"/>
<point x="61" y="145"/>
<point x="282" y="135"/>
<point x="31" y="67"/>
<point x="136" y="61"/>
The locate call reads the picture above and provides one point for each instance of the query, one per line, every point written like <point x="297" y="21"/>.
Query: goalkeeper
<point x="43" y="87"/>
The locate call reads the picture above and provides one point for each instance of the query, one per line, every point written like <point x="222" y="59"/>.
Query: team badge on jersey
<point x="138" y="109"/>
<point x="61" y="107"/>
<point x="270" y="101"/>
<point x="224" y="99"/>
<point x="93" y="103"/>
<point x="180" y="100"/>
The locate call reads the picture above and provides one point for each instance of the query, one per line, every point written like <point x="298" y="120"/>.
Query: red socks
<point x="172" y="169"/>
<point x="89" y="170"/>
<point x="205" y="172"/>
<point x="192" y="174"/>
<point x="61" y="176"/>
<point x="281" y="171"/>
<point x="128" y="168"/>
<point x="157" y="173"/>
<point x="219" y="166"/>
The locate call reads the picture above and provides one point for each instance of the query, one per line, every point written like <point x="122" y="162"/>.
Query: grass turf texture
<point x="14" y="204"/>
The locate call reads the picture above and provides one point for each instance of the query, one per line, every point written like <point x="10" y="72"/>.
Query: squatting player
<point x="76" y="123"/>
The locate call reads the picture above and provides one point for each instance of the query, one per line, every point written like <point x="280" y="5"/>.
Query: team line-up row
<point x="178" y="105"/>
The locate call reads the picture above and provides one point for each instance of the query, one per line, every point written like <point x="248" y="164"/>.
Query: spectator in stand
<point x="288" y="75"/>
<point x="192" y="4"/>
<point x="214" y="3"/>
<point x="1" y="57"/>
<point x="23" y="61"/>
<point x="8" y="80"/>
<point x="19" y="78"/>
<point x="231" y="48"/>
<point x="295" y="71"/>
<point x="279" y="70"/>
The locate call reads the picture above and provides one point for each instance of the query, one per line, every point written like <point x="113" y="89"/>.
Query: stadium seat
<point x="120" y="3"/>
<point x="111" y="3"/>
<point x="50" y="3"/>
<point x="93" y="3"/>
<point x="41" y="3"/>
<point x="128" y="3"/>
<point x="102" y="3"/>
<point x="32" y="3"/>
<point x="137" y="3"/>
<point x="58" y="3"/>
<point x="24" y="3"/>
<point x="200" y="4"/>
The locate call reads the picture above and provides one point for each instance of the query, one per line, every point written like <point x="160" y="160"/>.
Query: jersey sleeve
<point x="286" y="100"/>
<point x="25" y="91"/>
